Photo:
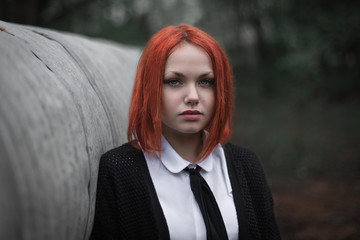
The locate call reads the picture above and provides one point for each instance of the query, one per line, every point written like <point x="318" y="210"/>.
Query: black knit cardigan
<point x="127" y="206"/>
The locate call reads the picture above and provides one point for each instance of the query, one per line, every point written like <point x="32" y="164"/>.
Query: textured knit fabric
<point x="127" y="206"/>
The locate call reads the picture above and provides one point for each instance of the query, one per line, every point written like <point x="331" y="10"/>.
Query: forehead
<point x="188" y="57"/>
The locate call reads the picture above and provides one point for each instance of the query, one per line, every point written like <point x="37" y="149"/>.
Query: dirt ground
<point x="321" y="209"/>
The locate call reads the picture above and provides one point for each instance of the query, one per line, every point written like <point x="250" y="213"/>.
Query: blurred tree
<point x="23" y="11"/>
<point x="315" y="46"/>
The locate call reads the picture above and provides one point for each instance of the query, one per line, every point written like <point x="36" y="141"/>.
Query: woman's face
<point x="188" y="96"/>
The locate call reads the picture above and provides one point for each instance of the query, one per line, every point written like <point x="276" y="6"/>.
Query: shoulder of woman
<point x="120" y="155"/>
<point x="237" y="151"/>
<point x="242" y="156"/>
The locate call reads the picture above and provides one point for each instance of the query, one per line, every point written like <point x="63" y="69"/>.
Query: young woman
<point x="177" y="178"/>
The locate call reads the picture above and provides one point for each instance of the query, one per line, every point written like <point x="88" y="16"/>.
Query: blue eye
<point x="207" y="82"/>
<point x="172" y="82"/>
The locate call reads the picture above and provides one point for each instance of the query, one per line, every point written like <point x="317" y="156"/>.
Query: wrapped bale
<point x="63" y="102"/>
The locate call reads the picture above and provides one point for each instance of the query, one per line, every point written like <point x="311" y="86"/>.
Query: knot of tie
<point x="193" y="170"/>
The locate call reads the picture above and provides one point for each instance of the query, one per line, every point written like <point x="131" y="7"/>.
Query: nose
<point x="192" y="96"/>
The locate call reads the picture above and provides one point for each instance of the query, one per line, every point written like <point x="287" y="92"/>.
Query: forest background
<point x="297" y="74"/>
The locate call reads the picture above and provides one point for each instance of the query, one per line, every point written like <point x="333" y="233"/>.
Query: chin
<point x="185" y="129"/>
<point x="191" y="131"/>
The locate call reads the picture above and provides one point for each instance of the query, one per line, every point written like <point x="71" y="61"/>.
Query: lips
<point x="190" y="112"/>
<point x="191" y="115"/>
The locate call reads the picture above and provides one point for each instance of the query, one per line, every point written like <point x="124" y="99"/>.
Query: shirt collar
<point x="219" y="153"/>
<point x="175" y="163"/>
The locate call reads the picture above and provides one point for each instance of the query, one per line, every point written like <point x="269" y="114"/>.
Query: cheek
<point x="167" y="103"/>
<point x="211" y="102"/>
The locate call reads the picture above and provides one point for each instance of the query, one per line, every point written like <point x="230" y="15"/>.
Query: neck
<point x="188" y="146"/>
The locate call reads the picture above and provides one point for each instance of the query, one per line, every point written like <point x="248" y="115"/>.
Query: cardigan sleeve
<point x="262" y="199"/>
<point x="126" y="203"/>
<point x="105" y="221"/>
<point x="256" y="193"/>
<point x="271" y="230"/>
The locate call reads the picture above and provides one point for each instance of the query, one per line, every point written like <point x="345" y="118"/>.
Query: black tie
<point x="215" y="227"/>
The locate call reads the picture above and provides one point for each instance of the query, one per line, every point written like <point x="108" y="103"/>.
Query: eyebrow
<point x="182" y="75"/>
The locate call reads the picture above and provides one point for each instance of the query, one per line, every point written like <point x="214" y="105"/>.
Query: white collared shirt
<point x="172" y="185"/>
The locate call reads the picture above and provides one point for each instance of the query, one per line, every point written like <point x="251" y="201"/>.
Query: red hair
<point x="145" y="109"/>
